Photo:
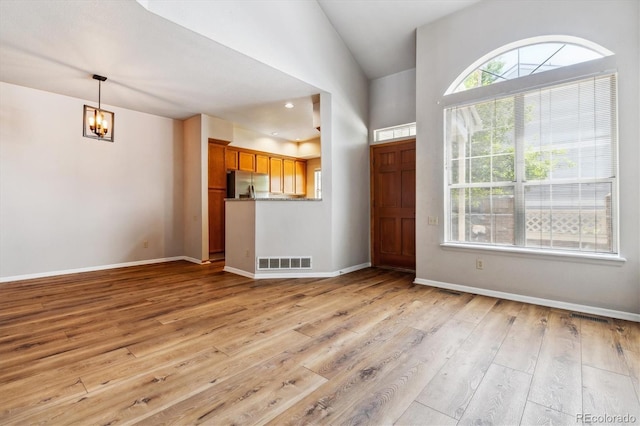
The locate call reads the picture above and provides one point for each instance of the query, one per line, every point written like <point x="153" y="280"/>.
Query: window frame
<point x="568" y="74"/>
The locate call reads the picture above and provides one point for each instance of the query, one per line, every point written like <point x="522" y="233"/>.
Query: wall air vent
<point x="280" y="263"/>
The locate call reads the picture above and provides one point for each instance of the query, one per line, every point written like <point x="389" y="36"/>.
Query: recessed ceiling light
<point x="274" y="134"/>
<point x="288" y="105"/>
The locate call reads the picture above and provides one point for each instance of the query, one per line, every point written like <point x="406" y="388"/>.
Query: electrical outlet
<point x="479" y="264"/>
<point x="246" y="253"/>
<point x="432" y="220"/>
<point x="146" y="244"/>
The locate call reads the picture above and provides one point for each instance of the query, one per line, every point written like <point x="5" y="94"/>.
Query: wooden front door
<point x="393" y="204"/>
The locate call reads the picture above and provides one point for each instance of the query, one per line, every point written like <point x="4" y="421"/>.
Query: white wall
<point x="309" y="149"/>
<point x="69" y="202"/>
<point x="444" y="49"/>
<point x="197" y="131"/>
<point x="193" y="189"/>
<point x="240" y="235"/>
<point x="298" y="39"/>
<point x="249" y="139"/>
<point x="392" y="100"/>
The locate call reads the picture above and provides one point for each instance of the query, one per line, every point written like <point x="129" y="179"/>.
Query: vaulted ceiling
<point x="57" y="45"/>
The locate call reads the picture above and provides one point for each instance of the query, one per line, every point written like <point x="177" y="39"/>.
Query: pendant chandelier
<point x="97" y="122"/>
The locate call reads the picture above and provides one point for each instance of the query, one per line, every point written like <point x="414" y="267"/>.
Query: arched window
<point x="527" y="57"/>
<point x="534" y="167"/>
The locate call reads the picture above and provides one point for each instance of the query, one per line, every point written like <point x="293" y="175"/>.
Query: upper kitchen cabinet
<point x="300" y="177"/>
<point x="289" y="176"/>
<point x="232" y="159"/>
<point x="275" y="175"/>
<point x="246" y="161"/>
<point x="262" y="163"/>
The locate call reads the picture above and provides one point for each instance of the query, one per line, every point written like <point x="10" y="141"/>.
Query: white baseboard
<point x="594" y="310"/>
<point x="97" y="268"/>
<point x="194" y="260"/>
<point x="239" y="272"/>
<point x="280" y="275"/>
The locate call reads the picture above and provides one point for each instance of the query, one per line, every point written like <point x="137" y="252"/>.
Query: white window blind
<point x="536" y="169"/>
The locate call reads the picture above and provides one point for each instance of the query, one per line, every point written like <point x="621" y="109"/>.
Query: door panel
<point x="388" y="243"/>
<point x="408" y="188"/>
<point x="409" y="237"/>
<point x="393" y="200"/>
<point x="387" y="184"/>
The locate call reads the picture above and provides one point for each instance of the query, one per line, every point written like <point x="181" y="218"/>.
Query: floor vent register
<point x="279" y="263"/>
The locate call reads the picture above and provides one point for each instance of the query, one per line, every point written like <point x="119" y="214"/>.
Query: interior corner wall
<point x="298" y="39"/>
<point x="444" y="49"/>
<point x="69" y="202"/>
<point x="392" y="100"/>
<point x="193" y="188"/>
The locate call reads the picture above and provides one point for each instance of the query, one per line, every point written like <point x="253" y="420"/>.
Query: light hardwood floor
<point x="178" y="343"/>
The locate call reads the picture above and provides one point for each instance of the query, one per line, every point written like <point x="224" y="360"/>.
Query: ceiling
<point x="143" y="57"/>
<point x="381" y="33"/>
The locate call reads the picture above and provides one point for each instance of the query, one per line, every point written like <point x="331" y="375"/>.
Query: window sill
<point x="609" y="259"/>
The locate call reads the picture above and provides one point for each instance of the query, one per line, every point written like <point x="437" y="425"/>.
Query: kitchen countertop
<point x="273" y="199"/>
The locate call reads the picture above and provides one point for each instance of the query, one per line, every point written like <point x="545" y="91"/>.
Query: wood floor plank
<point x="420" y="415"/>
<point x="500" y="399"/>
<point x="521" y="346"/>
<point x="537" y="415"/>
<point x="476" y="309"/>
<point x="453" y="387"/>
<point x="332" y="399"/>
<point x="633" y="363"/>
<point x="601" y="347"/>
<point x="185" y="343"/>
<point x="352" y="355"/>
<point x="628" y="334"/>
<point x="557" y="380"/>
<point x="397" y="389"/>
<point x="254" y="396"/>
<point x="607" y="393"/>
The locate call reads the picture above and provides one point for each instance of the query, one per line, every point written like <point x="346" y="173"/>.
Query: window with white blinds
<point x="536" y="169"/>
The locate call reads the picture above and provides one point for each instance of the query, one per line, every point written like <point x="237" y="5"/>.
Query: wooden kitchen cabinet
<point x="301" y="177"/>
<point x="232" y="159"/>
<point x="217" y="191"/>
<point x="275" y="175"/>
<point x="246" y="161"/>
<point x="262" y="163"/>
<point x="289" y="176"/>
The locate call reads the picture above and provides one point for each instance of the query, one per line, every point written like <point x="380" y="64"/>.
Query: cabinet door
<point x="217" y="174"/>
<point x="289" y="176"/>
<point x="232" y="159"/>
<point x="246" y="161"/>
<point x="262" y="163"/>
<point x="216" y="220"/>
<point x="301" y="177"/>
<point x="275" y="174"/>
